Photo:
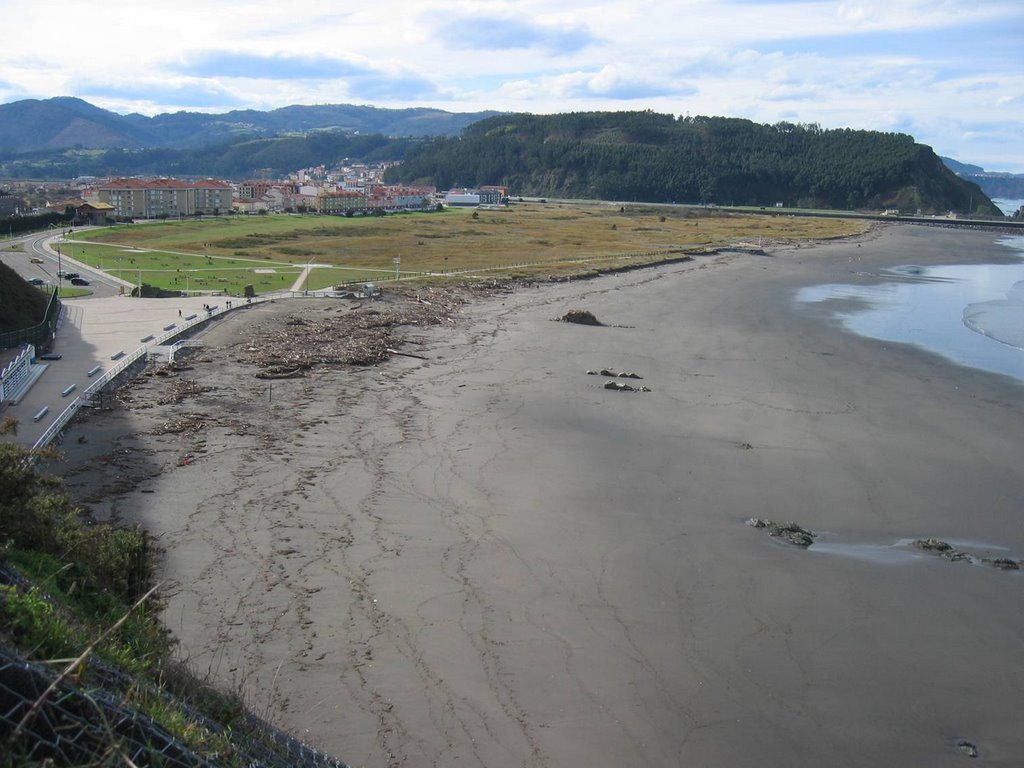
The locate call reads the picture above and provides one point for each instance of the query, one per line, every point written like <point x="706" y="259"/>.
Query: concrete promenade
<point x="92" y="332"/>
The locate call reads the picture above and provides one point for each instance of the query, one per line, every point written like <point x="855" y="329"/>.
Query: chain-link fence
<point x="94" y="719"/>
<point x="92" y="724"/>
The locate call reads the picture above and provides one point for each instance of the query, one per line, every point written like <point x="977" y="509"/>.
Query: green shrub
<point x="36" y="625"/>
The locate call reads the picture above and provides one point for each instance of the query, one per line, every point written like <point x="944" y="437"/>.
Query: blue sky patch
<point x="492" y="34"/>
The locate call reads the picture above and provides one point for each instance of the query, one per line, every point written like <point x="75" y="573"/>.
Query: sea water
<point x="1007" y="205"/>
<point x="972" y="314"/>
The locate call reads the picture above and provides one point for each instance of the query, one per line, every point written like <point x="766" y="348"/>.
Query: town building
<point x="473" y="197"/>
<point x="164" y="198"/>
<point x="392" y="198"/>
<point x="93" y="214"/>
<point x="339" y="202"/>
<point x="10" y="204"/>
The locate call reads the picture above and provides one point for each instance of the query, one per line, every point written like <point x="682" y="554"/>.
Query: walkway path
<point x="93" y="331"/>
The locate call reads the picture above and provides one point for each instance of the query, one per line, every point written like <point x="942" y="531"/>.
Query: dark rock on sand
<point x="789" y="531"/>
<point x="621" y="387"/>
<point x="933" y="545"/>
<point x="967" y="748"/>
<point x="581" y="317"/>
<point x="956" y="556"/>
<point x="620" y="375"/>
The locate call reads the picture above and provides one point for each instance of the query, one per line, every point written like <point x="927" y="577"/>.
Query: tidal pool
<point x="972" y="314"/>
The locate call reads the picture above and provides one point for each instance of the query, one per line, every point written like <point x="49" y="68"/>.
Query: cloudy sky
<point x="949" y="72"/>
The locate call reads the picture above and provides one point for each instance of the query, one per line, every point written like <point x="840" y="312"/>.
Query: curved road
<point x="46" y="246"/>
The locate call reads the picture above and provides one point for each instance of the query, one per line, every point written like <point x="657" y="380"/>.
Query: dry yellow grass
<point x="545" y="236"/>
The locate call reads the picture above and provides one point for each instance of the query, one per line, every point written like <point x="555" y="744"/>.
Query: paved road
<point x="45" y="248"/>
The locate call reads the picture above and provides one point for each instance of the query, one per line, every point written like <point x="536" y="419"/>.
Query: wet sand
<point x="487" y="559"/>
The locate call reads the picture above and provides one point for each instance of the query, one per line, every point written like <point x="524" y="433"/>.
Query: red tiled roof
<point x="115" y="184"/>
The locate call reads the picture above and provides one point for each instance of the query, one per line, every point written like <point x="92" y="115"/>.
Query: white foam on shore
<point x="999" y="320"/>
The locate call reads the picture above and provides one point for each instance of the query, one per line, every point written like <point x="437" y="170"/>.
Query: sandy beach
<point x="486" y="558"/>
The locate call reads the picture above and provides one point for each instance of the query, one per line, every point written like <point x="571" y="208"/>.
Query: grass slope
<point x="21" y="305"/>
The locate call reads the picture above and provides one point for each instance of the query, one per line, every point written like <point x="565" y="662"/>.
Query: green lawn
<point x="73" y="293"/>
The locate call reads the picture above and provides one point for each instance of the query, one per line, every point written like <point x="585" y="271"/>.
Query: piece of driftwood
<point x="391" y="351"/>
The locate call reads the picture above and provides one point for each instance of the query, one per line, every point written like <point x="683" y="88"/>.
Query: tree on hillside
<point x="646" y="156"/>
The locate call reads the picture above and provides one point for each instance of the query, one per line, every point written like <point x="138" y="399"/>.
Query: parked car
<point x="49" y="356"/>
<point x="68" y="275"/>
<point x="37" y="281"/>
<point x="79" y="281"/>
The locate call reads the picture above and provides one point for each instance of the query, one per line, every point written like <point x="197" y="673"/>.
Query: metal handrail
<point x="58" y="424"/>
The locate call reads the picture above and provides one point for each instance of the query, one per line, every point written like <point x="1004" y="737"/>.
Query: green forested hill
<point x="651" y="157"/>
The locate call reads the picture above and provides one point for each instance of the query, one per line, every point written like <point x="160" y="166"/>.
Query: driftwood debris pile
<point x="345" y="335"/>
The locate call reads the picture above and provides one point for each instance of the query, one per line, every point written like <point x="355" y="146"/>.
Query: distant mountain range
<point x="34" y="125"/>
<point x="640" y="156"/>
<point x="993" y="183"/>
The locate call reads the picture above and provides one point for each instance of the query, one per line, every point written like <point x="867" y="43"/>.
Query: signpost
<point x="397" y="260"/>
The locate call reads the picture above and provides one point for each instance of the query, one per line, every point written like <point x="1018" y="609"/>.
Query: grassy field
<point x="270" y="252"/>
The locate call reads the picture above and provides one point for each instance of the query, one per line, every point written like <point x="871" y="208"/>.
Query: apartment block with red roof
<point x="165" y="198"/>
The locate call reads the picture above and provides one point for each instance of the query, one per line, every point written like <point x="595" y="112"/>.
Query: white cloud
<point x="861" y="63"/>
